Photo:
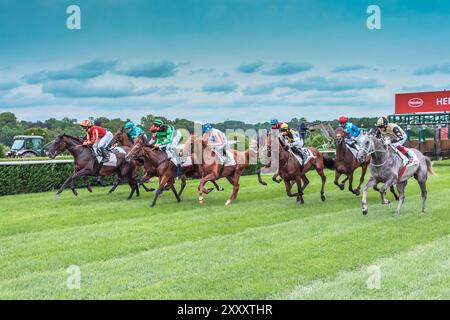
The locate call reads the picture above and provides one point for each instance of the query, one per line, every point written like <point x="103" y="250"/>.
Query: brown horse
<point x="86" y="164"/>
<point x="166" y="170"/>
<point x="122" y="137"/>
<point x="290" y="169"/>
<point x="346" y="163"/>
<point x="210" y="167"/>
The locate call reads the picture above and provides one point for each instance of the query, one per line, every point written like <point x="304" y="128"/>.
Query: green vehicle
<point x="27" y="146"/>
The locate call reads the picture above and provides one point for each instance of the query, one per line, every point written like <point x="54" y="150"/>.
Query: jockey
<point x="352" y="132"/>
<point x="275" y="124"/>
<point x="395" y="136"/>
<point x="165" y="136"/>
<point x="133" y="130"/>
<point x="218" y="143"/>
<point x="97" y="136"/>
<point x="293" y="140"/>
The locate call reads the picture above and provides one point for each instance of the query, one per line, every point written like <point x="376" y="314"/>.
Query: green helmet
<point x="158" y="122"/>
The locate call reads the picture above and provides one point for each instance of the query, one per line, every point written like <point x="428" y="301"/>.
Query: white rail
<point x="13" y="163"/>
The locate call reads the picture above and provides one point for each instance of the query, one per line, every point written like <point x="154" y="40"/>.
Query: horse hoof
<point x="365" y="211"/>
<point x="322" y="197"/>
<point x="228" y="202"/>
<point x="221" y="189"/>
<point x="385" y="202"/>
<point x="357" y="192"/>
<point x="342" y="186"/>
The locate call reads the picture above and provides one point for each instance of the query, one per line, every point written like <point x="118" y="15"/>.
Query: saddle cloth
<point x="112" y="158"/>
<point x="352" y="150"/>
<point x="308" y="154"/>
<point x="407" y="170"/>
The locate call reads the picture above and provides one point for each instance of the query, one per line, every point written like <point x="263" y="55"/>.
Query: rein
<point x="372" y="146"/>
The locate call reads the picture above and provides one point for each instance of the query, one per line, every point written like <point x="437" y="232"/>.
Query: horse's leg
<point x="372" y="182"/>
<point x="288" y="185"/>
<point x="401" y="192"/>
<point x="357" y="191"/>
<point x="115" y="184"/>
<point x="393" y="192"/>
<point x="350" y="182"/>
<point x="260" y="180"/>
<point x="162" y="184"/>
<point x="337" y="175"/>
<point x="422" y="180"/>
<point x="201" y="186"/>
<point x="74" y="175"/>
<point x="324" y="180"/>
<point x="305" y="182"/>
<point x="298" y="180"/>
<point x="342" y="185"/>
<point x="88" y="185"/>
<point x="234" y="180"/>
<point x="73" y="187"/>
<point x="183" y="184"/>
<point x="275" y="176"/>
<point x="383" y="189"/>
<point x="218" y="188"/>
<point x="172" y="187"/>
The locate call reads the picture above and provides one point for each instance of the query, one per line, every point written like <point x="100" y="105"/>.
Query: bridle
<point x="372" y="147"/>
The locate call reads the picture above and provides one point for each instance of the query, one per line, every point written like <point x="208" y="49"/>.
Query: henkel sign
<point x="436" y="101"/>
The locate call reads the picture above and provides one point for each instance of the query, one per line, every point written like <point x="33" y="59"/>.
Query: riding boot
<point x="300" y="153"/>
<point x="409" y="156"/>
<point x="104" y="155"/>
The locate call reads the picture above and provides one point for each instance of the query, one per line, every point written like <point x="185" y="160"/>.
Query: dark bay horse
<point x="290" y="169"/>
<point x="346" y="163"/>
<point x="86" y="164"/>
<point x="211" y="169"/>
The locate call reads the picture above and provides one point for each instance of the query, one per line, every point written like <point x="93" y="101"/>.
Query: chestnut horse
<point x="86" y="164"/>
<point x="212" y="169"/>
<point x="346" y="163"/>
<point x="290" y="169"/>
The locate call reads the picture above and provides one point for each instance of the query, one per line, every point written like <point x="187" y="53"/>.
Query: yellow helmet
<point x="284" y="126"/>
<point x="86" y="123"/>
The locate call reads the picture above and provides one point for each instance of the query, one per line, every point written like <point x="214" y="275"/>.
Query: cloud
<point x="287" y="68"/>
<point x="162" y="69"/>
<point x="314" y="83"/>
<point x="259" y="89"/>
<point x="432" y="69"/>
<point x="5" y="86"/>
<point x="201" y="70"/>
<point x="84" y="89"/>
<point x="220" y="86"/>
<point x="349" y="68"/>
<point x="250" y="67"/>
<point x="91" y="69"/>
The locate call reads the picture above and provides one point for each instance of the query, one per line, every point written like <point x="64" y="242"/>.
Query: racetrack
<point x="262" y="246"/>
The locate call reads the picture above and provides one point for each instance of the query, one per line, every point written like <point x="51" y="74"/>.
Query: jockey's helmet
<point x="273" y="121"/>
<point x="284" y="127"/>
<point x="86" y="123"/>
<point x="381" y="122"/>
<point x="158" y="122"/>
<point x="129" y="125"/>
<point x="206" y="127"/>
<point x="343" y="119"/>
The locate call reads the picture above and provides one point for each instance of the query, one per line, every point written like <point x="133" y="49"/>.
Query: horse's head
<point x="137" y="148"/>
<point x="58" y="146"/>
<point x="340" y="134"/>
<point x="122" y="137"/>
<point x="366" y="147"/>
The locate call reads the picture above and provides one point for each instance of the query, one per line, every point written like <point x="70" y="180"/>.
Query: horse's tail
<point x="430" y="166"/>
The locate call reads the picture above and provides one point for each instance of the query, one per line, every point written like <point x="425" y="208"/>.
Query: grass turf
<point x="262" y="246"/>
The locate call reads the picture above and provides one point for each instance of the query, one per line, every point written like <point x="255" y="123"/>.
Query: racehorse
<point x="290" y="169"/>
<point x="86" y="164"/>
<point x="386" y="166"/>
<point x="122" y="137"/>
<point x="346" y="163"/>
<point x="211" y="169"/>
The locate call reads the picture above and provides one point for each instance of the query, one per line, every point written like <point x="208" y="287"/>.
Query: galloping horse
<point x="86" y="164"/>
<point x="386" y="165"/>
<point x="290" y="169"/>
<point x="212" y="169"/>
<point x="346" y="163"/>
<point x="122" y="137"/>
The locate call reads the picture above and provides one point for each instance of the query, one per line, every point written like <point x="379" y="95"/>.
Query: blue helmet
<point x="273" y="121"/>
<point x="206" y="127"/>
<point x="129" y="125"/>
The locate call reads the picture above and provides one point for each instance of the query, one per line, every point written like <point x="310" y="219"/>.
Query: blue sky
<point x="216" y="60"/>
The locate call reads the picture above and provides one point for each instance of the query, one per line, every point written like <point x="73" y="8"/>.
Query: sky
<point x="216" y="60"/>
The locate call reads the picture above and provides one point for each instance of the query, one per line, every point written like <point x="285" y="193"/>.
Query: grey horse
<point x="385" y="166"/>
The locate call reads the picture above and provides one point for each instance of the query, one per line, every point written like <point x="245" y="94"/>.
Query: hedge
<point x="15" y="179"/>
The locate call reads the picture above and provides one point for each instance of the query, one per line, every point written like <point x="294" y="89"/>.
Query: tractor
<point x="27" y="146"/>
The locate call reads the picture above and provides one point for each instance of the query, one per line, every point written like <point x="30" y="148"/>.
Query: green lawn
<point x="262" y="246"/>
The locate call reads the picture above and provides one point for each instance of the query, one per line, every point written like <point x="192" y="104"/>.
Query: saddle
<point x="112" y="158"/>
<point x="354" y="151"/>
<point x="307" y="154"/>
